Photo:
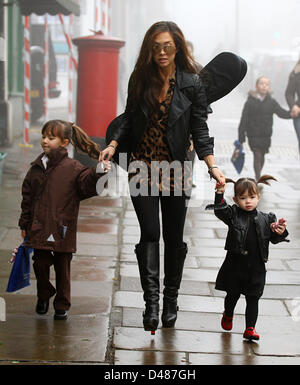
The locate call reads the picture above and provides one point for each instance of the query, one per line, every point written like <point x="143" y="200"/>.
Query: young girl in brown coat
<point x="52" y="190"/>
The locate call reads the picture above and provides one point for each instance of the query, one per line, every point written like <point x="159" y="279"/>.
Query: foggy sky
<point x="243" y="25"/>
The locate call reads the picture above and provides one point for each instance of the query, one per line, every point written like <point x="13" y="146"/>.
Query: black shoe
<point x="42" y="306"/>
<point x="60" y="315"/>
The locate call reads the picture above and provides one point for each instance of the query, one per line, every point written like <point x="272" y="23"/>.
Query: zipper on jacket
<point x="246" y="233"/>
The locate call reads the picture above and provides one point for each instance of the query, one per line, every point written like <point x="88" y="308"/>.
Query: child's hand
<point x="220" y="188"/>
<point x="14" y="253"/>
<point x="104" y="166"/>
<point x="279" y="227"/>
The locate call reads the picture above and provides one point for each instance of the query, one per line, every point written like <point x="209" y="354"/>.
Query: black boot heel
<point x="151" y="318"/>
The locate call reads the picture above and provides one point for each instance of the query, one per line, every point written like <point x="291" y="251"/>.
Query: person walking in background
<point x="292" y="95"/>
<point x="166" y="104"/>
<point x="247" y="245"/>
<point x="52" y="190"/>
<point x="257" y="122"/>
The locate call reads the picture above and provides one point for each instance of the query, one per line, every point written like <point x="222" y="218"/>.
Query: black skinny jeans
<point x="173" y="209"/>
<point x="251" y="307"/>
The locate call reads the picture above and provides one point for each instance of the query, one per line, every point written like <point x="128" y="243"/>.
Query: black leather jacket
<point x="187" y="117"/>
<point x="237" y="221"/>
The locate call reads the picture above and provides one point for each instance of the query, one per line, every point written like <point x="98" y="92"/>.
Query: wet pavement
<point x="105" y="321"/>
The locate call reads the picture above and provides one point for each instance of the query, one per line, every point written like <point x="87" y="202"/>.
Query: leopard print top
<point x="153" y="158"/>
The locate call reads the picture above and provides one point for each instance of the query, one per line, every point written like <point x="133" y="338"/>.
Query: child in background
<point x="52" y="190"/>
<point x="247" y="245"/>
<point x="257" y="122"/>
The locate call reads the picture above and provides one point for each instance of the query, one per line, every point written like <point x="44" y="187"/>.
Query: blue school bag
<point x="20" y="272"/>
<point x="238" y="156"/>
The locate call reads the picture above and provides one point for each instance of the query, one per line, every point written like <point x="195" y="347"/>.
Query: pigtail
<point x="265" y="179"/>
<point x="229" y="180"/>
<point x="81" y="141"/>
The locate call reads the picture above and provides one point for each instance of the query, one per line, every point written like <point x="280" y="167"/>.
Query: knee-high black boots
<point x="174" y="261"/>
<point x="148" y="261"/>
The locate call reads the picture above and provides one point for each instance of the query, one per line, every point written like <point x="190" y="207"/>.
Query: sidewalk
<point x="105" y="320"/>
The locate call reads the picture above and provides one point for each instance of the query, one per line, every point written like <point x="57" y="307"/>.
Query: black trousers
<point x="251" y="313"/>
<point x="173" y="210"/>
<point x="42" y="261"/>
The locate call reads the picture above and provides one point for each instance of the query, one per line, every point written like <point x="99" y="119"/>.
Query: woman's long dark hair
<point x="146" y="82"/>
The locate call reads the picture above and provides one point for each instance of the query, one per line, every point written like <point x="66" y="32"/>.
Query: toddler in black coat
<point x="247" y="245"/>
<point x="257" y="121"/>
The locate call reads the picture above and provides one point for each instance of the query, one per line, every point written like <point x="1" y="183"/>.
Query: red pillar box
<point x="97" y="85"/>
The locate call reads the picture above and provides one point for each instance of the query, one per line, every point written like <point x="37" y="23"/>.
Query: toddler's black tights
<point x="251" y="307"/>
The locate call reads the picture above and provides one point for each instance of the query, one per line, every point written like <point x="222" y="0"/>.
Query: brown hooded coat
<point x="51" y="199"/>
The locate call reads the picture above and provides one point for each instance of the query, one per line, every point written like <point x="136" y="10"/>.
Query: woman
<point x="166" y="104"/>
<point x="292" y="95"/>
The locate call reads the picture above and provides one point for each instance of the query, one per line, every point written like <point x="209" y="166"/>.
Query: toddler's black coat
<point x="237" y="221"/>
<point x="247" y="245"/>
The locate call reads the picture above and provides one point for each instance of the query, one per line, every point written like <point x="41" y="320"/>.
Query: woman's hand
<point x="295" y="111"/>
<point x="191" y="148"/>
<point x="108" y="152"/>
<point x="213" y="169"/>
<point x="217" y="175"/>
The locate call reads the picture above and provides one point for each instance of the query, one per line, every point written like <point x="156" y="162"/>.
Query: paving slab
<point x="207" y="304"/>
<point x="173" y="340"/>
<point x="281" y="345"/>
<point x="204" y="321"/>
<point x="235" y="359"/>
<point x="281" y="291"/>
<point x="186" y="287"/>
<point x="131" y="357"/>
<point x="43" y="339"/>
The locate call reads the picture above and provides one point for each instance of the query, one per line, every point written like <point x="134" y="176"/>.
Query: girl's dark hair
<point x="146" y="82"/>
<point x="76" y="136"/>
<point x="249" y="184"/>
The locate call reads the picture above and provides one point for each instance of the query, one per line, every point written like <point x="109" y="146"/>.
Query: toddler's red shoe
<point x="250" y="334"/>
<point x="226" y="322"/>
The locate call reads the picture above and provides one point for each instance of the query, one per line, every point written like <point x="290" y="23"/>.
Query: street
<point x="105" y="320"/>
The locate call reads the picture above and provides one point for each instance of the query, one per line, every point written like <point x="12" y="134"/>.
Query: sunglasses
<point x="167" y="48"/>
